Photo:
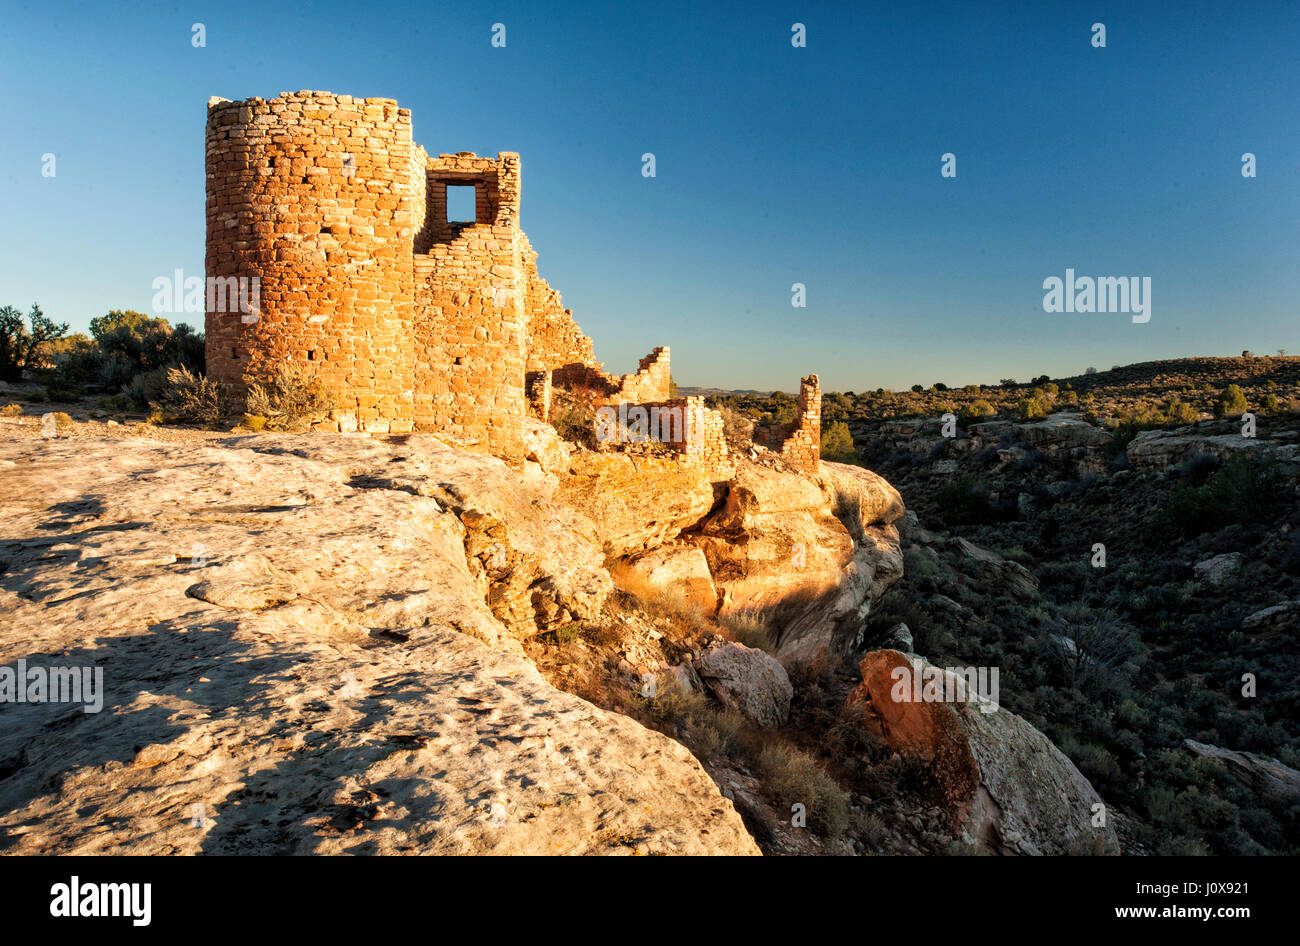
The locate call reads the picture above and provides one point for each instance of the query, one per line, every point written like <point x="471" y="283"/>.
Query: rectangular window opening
<point x="461" y="206"/>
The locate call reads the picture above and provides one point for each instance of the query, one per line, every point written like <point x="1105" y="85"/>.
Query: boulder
<point x="1278" y="617"/>
<point x="1219" y="570"/>
<point x="998" y="571"/>
<point x="777" y="544"/>
<point x="1154" y="450"/>
<point x="1000" y="782"/>
<point x="1264" y="775"/>
<point x="638" y="503"/>
<point x="748" y="681"/>
<point x="1064" y="434"/>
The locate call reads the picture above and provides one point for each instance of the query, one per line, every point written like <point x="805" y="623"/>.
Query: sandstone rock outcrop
<point x="1160" y="449"/>
<point x="1267" y="776"/>
<point x="1001" y="783"/>
<point x="748" y="681"/>
<point x="1013" y="576"/>
<point x="310" y="645"/>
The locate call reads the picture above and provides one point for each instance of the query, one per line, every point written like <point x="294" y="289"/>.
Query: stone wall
<point x="409" y="320"/>
<point x="799" y="441"/>
<point x="685" y="424"/>
<point x="554" y="339"/>
<point x="652" y="381"/>
<point x="311" y="193"/>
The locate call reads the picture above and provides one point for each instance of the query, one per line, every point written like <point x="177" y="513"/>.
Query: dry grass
<point x="292" y="400"/>
<point x="188" y="398"/>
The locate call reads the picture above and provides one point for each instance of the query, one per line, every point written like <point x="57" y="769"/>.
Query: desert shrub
<point x="976" y="411"/>
<point x="11" y="410"/>
<point x="921" y="562"/>
<point x="1231" y="402"/>
<point x="254" y="422"/>
<point x="792" y="777"/>
<point x="1199" y="467"/>
<point x="123" y="345"/>
<point x="188" y="398"/>
<point x="872" y="831"/>
<point x="1035" y="407"/>
<point x="837" y="443"/>
<point x="1179" y="411"/>
<point x="965" y="501"/>
<point x="20" y="343"/>
<point x="749" y="628"/>
<point x="736" y="427"/>
<point x="1269" y="402"/>
<point x="146" y="388"/>
<point x="292" y="400"/>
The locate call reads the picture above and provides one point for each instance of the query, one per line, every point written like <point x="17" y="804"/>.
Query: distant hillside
<point x="717" y="392"/>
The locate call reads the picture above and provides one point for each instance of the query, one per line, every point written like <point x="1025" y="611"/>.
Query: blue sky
<point x="775" y="165"/>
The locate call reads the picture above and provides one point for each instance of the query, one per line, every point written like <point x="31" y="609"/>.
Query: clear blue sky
<point x="775" y="165"/>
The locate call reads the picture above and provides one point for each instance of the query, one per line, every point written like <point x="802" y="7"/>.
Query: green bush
<point x="1231" y="402"/>
<point x="837" y="443"/>
<point x="1244" y="490"/>
<point x="1179" y="411"/>
<point x="124" y="345"/>
<point x="965" y="501"/>
<point x="975" y="412"/>
<point x="1035" y="407"/>
<point x="20" y="344"/>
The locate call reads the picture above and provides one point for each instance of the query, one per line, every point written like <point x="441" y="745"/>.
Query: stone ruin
<point x="410" y="321"/>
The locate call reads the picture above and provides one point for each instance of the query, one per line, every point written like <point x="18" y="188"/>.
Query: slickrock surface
<point x="316" y="640"/>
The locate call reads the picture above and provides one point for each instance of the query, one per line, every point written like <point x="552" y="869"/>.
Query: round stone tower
<point x="313" y="202"/>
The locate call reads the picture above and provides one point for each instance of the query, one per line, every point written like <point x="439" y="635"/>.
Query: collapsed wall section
<point x="554" y="338"/>
<point x="311" y="194"/>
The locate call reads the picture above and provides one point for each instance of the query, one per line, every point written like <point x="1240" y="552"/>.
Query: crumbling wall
<point x="653" y="380"/>
<point x="409" y="320"/>
<point x="311" y="194"/>
<point x="684" y="423"/>
<point x="799" y="442"/>
<point x="554" y="338"/>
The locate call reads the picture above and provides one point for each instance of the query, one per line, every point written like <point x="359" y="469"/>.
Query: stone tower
<point x="318" y="197"/>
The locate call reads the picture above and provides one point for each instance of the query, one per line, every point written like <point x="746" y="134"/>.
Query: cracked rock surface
<point x="311" y="645"/>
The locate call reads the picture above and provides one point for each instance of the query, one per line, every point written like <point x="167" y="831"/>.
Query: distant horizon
<point x="782" y="172"/>
<point x="954" y="385"/>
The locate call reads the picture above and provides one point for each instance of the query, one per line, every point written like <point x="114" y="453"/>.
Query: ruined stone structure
<point x="409" y="320"/>
<point x="800" y="441"/>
